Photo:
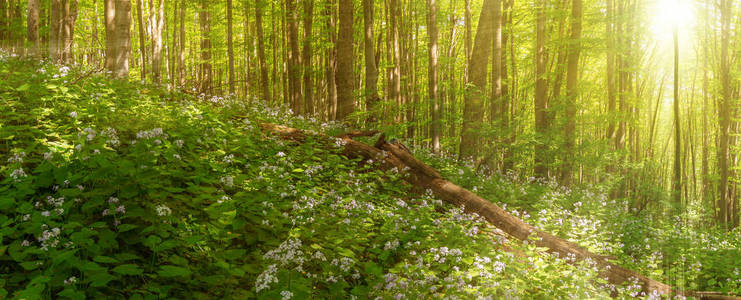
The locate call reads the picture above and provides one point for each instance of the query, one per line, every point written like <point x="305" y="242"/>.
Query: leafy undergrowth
<point x="117" y="190"/>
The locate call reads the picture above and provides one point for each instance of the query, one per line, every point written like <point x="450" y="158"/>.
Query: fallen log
<point x="392" y="155"/>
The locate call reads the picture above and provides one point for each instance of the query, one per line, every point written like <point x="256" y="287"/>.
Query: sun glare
<point x="667" y="13"/>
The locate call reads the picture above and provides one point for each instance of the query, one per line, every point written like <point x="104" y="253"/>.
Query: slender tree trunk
<point x="205" y="22"/>
<point x="307" y="54"/>
<point x="181" y="50"/>
<point x="610" y="31"/>
<point x="395" y="88"/>
<point x="294" y="62"/>
<point x="473" y="114"/>
<point x="32" y="24"/>
<point x="572" y="91"/>
<point x="507" y="163"/>
<point x="371" y="69"/>
<point x="344" y="75"/>
<point x="496" y="66"/>
<point x="142" y="39"/>
<point x="264" y="84"/>
<point x="230" y="44"/>
<point x="541" y="93"/>
<point x="69" y="17"/>
<point x="677" y="183"/>
<point x="173" y="53"/>
<point x="432" y="89"/>
<point x="468" y="19"/>
<point x="158" y="13"/>
<point x="55" y="29"/>
<point x="724" y="117"/>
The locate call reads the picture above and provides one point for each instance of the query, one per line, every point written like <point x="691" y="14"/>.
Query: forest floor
<point x="123" y="190"/>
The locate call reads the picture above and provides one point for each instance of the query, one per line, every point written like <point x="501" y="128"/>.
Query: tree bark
<point x="572" y="92"/>
<point x="294" y="62"/>
<point x="371" y="69"/>
<point x="32" y="24"/>
<point x="205" y="21"/>
<point x="724" y="116"/>
<point x="395" y="86"/>
<point x="432" y="88"/>
<point x="541" y="93"/>
<point x="55" y="30"/>
<point x="473" y="114"/>
<point x="344" y="75"/>
<point x="181" y="40"/>
<point x="230" y="44"/>
<point x="142" y="39"/>
<point x="68" y="29"/>
<point x="118" y="37"/>
<point x="307" y="54"/>
<point x="158" y="13"/>
<point x="264" y="84"/>
<point x="677" y="183"/>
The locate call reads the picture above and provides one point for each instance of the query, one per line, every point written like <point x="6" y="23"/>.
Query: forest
<point x="370" y="149"/>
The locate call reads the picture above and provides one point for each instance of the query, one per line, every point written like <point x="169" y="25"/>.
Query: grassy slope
<point x="133" y="192"/>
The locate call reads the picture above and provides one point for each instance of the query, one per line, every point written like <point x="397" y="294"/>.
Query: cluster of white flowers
<point x="111" y="136"/>
<point x="266" y="278"/>
<point x="49" y="238"/>
<point x="70" y="281"/>
<point x="228" y="181"/>
<point x="17" y="157"/>
<point x="163" y="210"/>
<point x="150" y="134"/>
<point x="228" y="159"/>
<point x="442" y="253"/>
<point x="17" y="174"/>
<point x="179" y="143"/>
<point x="286" y="295"/>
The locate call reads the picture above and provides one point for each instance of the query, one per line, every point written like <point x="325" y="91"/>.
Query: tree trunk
<point x="371" y="69"/>
<point x="142" y="39"/>
<point x="724" y="117"/>
<point x="395" y="87"/>
<point x="230" y="44"/>
<point x="496" y="66"/>
<point x="307" y="54"/>
<point x="541" y="93"/>
<point x="432" y="89"/>
<point x="68" y="29"/>
<point x="331" y="62"/>
<point x="205" y="21"/>
<point x="677" y="183"/>
<point x="572" y="91"/>
<point x="473" y="114"/>
<point x="118" y="37"/>
<point x="32" y="25"/>
<point x="181" y="50"/>
<point x="55" y="30"/>
<point x="264" y="84"/>
<point x="158" y="13"/>
<point x="344" y="75"/>
<point x="294" y="62"/>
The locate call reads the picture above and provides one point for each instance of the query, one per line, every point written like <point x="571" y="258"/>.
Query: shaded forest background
<point x="580" y="92"/>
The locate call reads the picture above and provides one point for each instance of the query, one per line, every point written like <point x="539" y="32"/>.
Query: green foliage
<point x="129" y="191"/>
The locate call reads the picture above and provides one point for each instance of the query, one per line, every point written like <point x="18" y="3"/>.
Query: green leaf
<point x="126" y="227"/>
<point x="128" y="269"/>
<point x="100" y="279"/>
<point x="23" y="87"/>
<point x="105" y="259"/>
<point x="173" y="271"/>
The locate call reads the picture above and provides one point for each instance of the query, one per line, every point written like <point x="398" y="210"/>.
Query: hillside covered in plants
<point x="370" y="149"/>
